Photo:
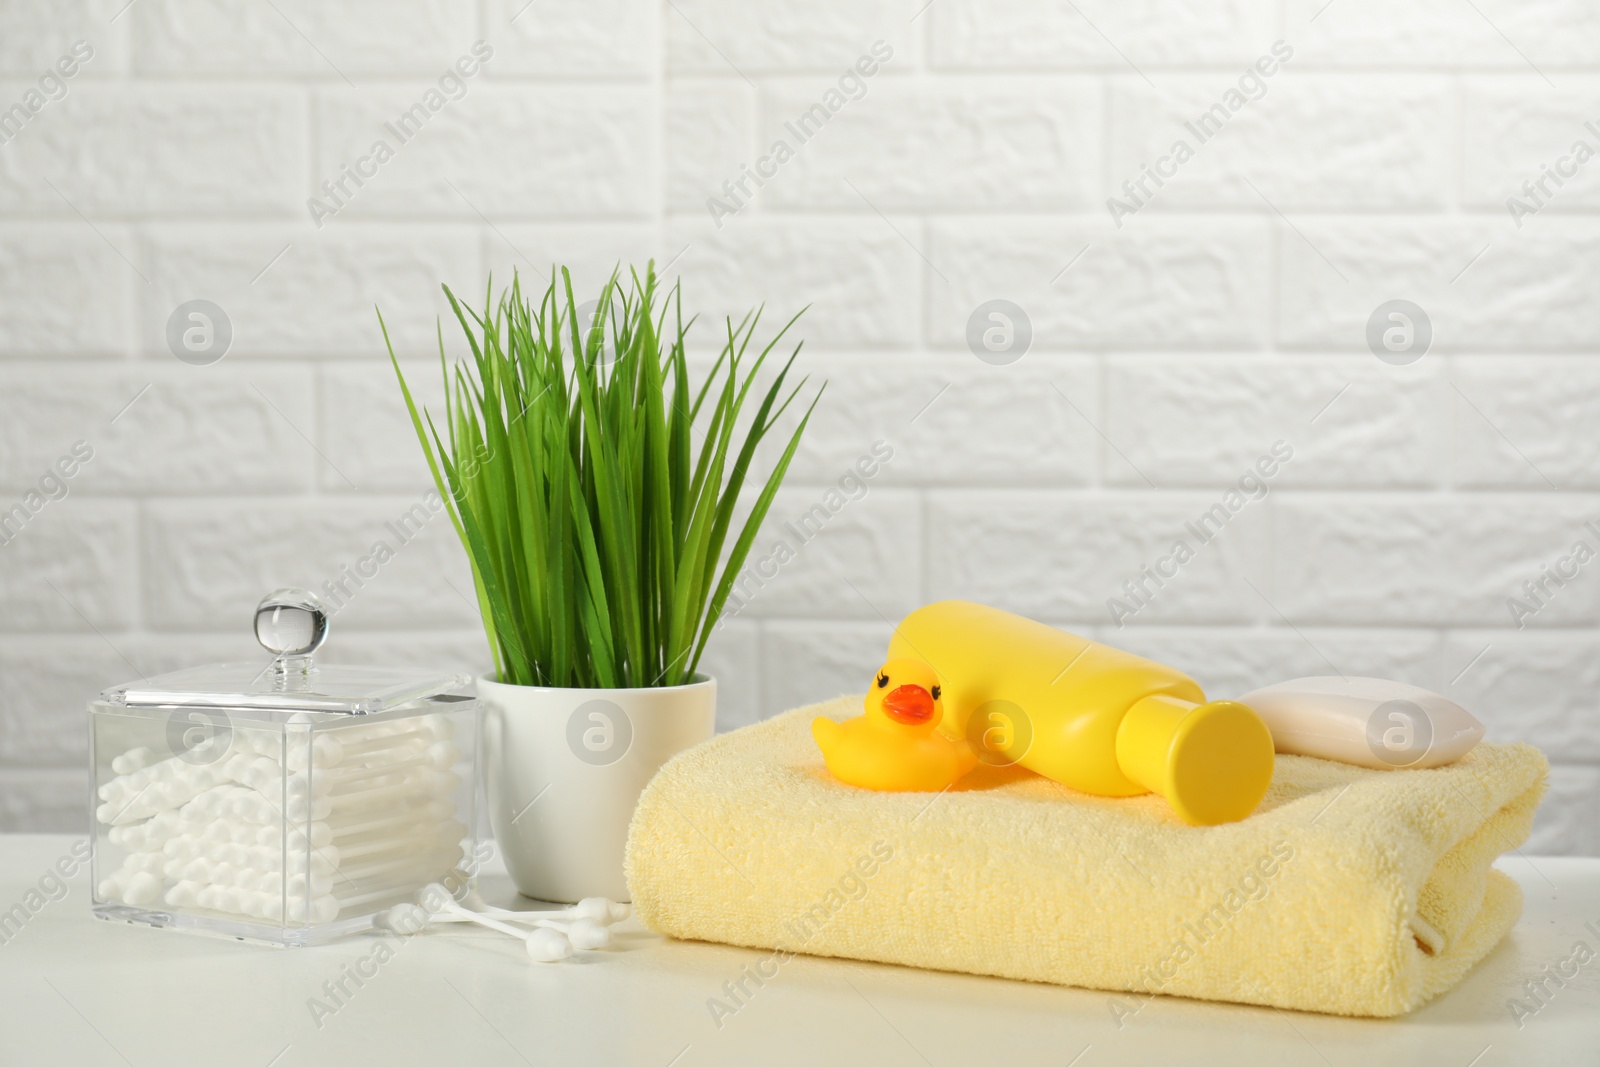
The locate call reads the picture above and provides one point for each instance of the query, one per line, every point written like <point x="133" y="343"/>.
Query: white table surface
<point x="75" y="990"/>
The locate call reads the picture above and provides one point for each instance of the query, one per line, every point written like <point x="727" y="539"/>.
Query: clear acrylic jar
<point x="287" y="803"/>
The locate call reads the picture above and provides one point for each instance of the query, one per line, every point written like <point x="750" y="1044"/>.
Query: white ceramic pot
<point x="564" y="770"/>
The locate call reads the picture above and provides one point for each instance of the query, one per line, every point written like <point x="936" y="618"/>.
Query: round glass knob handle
<point x="291" y="622"/>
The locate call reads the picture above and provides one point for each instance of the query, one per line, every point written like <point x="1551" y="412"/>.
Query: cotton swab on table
<point x="553" y="936"/>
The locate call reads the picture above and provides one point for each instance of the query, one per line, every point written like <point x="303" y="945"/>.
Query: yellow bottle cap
<point x="1212" y="762"/>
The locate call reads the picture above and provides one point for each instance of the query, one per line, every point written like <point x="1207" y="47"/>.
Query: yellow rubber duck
<point x="895" y="746"/>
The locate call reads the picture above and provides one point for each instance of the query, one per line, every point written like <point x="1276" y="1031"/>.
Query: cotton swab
<point x="597" y="909"/>
<point x="585" y="934"/>
<point x="585" y="922"/>
<point x="553" y="937"/>
<point x="543" y="945"/>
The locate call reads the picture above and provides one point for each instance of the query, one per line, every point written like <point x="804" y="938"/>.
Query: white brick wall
<point x="1167" y="354"/>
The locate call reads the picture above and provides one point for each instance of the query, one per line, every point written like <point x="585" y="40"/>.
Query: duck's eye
<point x="935" y="692"/>
<point x="883" y="681"/>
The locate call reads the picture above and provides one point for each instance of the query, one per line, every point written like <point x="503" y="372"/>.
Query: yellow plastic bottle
<point x="1089" y="716"/>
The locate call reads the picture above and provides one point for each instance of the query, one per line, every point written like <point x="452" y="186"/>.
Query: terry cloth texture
<point x="1351" y="891"/>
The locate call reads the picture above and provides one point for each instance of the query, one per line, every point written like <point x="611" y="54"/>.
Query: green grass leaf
<point x="593" y="483"/>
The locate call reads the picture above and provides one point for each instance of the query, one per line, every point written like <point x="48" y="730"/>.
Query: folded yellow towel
<point x="1351" y="891"/>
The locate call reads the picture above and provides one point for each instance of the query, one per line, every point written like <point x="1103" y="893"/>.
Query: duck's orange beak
<point x="909" y="705"/>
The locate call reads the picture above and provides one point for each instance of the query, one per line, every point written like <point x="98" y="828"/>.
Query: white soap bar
<point x="1366" y="721"/>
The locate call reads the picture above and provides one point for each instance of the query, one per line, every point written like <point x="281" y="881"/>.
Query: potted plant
<point x="604" y="542"/>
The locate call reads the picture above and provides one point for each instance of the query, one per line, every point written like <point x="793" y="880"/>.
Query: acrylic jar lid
<point x="291" y="624"/>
